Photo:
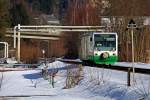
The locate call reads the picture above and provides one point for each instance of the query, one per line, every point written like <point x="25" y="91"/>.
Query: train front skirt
<point x="98" y="60"/>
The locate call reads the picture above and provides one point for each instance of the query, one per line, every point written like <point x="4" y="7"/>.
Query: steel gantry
<point x="5" y="49"/>
<point x="45" y="31"/>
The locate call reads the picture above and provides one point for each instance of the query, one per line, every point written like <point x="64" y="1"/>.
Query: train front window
<point x="105" y="42"/>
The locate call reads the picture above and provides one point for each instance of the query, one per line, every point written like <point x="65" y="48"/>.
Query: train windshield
<point x="105" y="42"/>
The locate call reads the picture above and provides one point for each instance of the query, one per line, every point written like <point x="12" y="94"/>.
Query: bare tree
<point x="79" y="13"/>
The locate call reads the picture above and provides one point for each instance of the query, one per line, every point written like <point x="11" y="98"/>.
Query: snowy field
<point x="95" y="84"/>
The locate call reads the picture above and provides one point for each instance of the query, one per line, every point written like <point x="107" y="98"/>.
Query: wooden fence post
<point x="128" y="77"/>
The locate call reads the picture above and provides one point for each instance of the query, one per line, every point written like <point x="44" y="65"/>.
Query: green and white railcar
<point x="100" y="48"/>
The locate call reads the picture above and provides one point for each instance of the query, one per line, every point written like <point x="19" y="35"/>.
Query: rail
<point x="113" y="67"/>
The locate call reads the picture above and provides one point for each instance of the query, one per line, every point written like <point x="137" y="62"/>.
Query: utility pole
<point x="132" y="26"/>
<point x="18" y="53"/>
<point x="5" y="49"/>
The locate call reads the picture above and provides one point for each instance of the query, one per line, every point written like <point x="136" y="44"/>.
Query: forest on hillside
<point x="85" y="12"/>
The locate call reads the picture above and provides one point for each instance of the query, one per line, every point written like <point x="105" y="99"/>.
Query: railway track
<point x="123" y="68"/>
<point x="112" y="67"/>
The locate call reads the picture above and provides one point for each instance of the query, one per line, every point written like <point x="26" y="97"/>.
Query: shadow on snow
<point x="51" y="70"/>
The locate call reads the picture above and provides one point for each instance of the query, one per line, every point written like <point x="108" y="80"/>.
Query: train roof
<point x="105" y="33"/>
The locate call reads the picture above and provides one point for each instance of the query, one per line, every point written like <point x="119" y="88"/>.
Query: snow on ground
<point x="97" y="84"/>
<point x="11" y="60"/>
<point x="2" y="68"/>
<point x="22" y="83"/>
<point x="74" y="60"/>
<point x="136" y="65"/>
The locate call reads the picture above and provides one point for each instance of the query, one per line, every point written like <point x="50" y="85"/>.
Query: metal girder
<point x="38" y="33"/>
<point x="36" y="37"/>
<point x="54" y="26"/>
<point x="55" y="29"/>
<point x="59" y="30"/>
<point x="51" y="29"/>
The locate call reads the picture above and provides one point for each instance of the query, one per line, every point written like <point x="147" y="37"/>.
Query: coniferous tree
<point x="20" y="14"/>
<point x="43" y="6"/>
<point x="4" y="17"/>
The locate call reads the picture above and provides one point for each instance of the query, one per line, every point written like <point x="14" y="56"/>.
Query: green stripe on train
<point x="110" y="60"/>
